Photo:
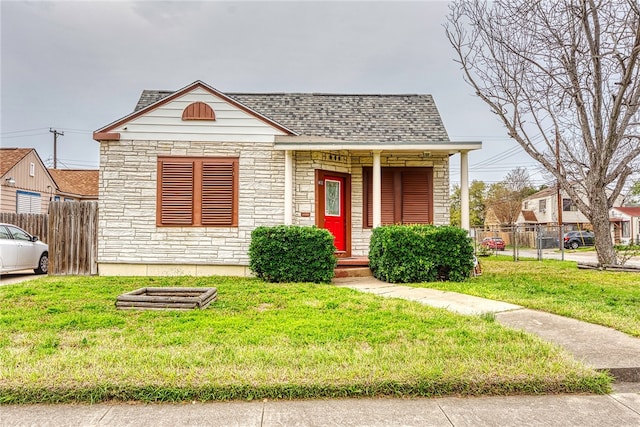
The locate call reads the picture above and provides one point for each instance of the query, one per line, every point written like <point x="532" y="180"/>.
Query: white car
<point x="20" y="250"/>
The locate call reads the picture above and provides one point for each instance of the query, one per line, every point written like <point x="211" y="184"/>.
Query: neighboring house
<point x="75" y="184"/>
<point x="541" y="208"/>
<point x="187" y="176"/>
<point x="625" y="224"/>
<point x="491" y="221"/>
<point x="25" y="184"/>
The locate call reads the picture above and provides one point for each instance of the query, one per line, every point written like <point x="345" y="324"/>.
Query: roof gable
<point x="9" y="157"/>
<point x="546" y="192"/>
<point x="152" y="100"/>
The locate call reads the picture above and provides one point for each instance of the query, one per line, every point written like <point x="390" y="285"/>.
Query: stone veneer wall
<point x="127" y="222"/>
<point x="128" y="235"/>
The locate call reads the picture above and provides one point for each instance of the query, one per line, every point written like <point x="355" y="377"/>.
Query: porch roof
<point x="295" y="143"/>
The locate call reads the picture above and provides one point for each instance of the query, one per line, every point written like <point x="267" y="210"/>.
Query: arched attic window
<point x="198" y="111"/>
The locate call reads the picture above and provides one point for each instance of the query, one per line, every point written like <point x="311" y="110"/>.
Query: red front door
<point x="334" y="210"/>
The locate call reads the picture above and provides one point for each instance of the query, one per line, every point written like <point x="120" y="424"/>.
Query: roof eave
<point x="301" y="143"/>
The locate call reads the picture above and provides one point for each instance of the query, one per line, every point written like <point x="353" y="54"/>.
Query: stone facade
<point x="128" y="234"/>
<point x="127" y="226"/>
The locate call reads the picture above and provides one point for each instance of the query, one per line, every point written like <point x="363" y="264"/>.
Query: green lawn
<point x="602" y="297"/>
<point x="63" y="340"/>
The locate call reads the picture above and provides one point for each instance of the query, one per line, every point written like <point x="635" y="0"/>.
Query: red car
<point x="495" y="243"/>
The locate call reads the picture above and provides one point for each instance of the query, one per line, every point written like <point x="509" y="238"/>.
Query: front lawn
<point x="63" y="340"/>
<point x="603" y="297"/>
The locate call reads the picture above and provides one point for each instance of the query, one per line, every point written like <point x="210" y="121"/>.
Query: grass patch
<point x="63" y="340"/>
<point x="602" y="297"/>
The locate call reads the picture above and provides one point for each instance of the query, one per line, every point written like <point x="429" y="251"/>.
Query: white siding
<point x="165" y="123"/>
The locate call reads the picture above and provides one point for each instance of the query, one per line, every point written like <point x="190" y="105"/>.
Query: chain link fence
<point x="538" y="241"/>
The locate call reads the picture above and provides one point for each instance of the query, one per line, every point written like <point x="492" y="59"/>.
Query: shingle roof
<point x="546" y="192"/>
<point x="529" y="216"/>
<point x="9" y="157"/>
<point x="629" y="210"/>
<point x="76" y="181"/>
<point x="384" y="118"/>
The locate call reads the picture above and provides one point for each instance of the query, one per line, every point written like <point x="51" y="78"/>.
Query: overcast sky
<point x="77" y="66"/>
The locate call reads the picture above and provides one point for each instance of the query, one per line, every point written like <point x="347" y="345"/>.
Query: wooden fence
<point x="34" y="224"/>
<point x="73" y="238"/>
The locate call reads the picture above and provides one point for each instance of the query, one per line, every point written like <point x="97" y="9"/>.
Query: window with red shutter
<point x="407" y="196"/>
<point x="197" y="191"/>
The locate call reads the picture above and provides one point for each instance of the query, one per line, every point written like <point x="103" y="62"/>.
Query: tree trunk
<point x="601" y="227"/>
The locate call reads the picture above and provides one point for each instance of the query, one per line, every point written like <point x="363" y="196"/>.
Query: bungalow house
<point x="187" y="176"/>
<point x="625" y="224"/>
<point x="26" y="186"/>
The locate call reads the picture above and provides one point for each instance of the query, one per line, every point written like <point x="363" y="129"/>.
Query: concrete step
<point x="344" y="271"/>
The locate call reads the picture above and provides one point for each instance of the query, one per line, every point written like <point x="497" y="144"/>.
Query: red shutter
<point x="407" y="196"/>
<point x="387" y="193"/>
<point x="416" y="196"/>
<point x="176" y="194"/>
<point x="218" y="193"/>
<point x="198" y="111"/>
<point x="368" y="193"/>
<point x="388" y="202"/>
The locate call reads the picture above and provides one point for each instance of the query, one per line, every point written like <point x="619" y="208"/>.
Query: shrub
<point x="292" y="254"/>
<point x="420" y="253"/>
<point x="625" y="252"/>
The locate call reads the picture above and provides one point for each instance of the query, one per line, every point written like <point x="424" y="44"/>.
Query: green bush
<point x="420" y="253"/>
<point x="292" y="254"/>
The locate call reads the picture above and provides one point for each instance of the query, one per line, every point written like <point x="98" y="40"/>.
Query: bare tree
<point x="564" y="79"/>
<point x="505" y="197"/>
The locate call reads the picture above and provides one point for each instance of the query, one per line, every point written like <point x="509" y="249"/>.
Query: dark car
<point x="575" y="239"/>
<point x="495" y="243"/>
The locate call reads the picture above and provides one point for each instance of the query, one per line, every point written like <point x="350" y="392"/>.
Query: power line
<point x="21" y="131"/>
<point x="24" y="136"/>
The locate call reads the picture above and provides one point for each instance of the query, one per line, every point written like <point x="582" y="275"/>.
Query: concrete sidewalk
<point x="616" y="409"/>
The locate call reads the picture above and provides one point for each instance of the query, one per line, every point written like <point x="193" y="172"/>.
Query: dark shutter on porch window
<point x="407" y="196"/>
<point x="387" y="202"/>
<point x="416" y="197"/>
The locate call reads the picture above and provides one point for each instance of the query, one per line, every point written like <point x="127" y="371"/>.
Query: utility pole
<point x="55" y="146"/>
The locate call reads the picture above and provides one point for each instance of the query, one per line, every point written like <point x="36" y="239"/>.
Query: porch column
<point x="464" y="190"/>
<point x="288" y="187"/>
<point x="377" y="199"/>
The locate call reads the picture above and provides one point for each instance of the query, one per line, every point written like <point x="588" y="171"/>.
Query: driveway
<point x="17" y="277"/>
